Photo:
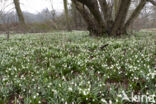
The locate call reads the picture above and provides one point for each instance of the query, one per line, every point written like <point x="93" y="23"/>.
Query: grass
<point x="73" y="68"/>
<point x="149" y="30"/>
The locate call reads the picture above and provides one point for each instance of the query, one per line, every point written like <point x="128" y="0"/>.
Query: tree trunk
<point x="66" y="14"/>
<point x="121" y="17"/>
<point x="19" y="12"/>
<point x="98" y="15"/>
<point x="135" y="14"/>
<point x="74" y="15"/>
<point x="93" y="26"/>
<point x="107" y="12"/>
<point x="116" y="6"/>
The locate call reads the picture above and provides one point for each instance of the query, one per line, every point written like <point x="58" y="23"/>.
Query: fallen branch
<point x="103" y="46"/>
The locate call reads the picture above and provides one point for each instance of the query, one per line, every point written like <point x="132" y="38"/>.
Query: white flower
<point x="54" y="91"/>
<point x="110" y="102"/>
<point x="85" y="93"/>
<point x="33" y="79"/>
<point x="104" y="101"/>
<point x="59" y="85"/>
<point x="70" y="89"/>
<point x="120" y="95"/>
<point x="39" y="102"/>
<point x="62" y="99"/>
<point x="37" y="94"/>
<point x="34" y="97"/>
<point x="4" y="79"/>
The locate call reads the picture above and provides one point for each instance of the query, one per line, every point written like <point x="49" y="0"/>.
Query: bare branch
<point x="90" y="21"/>
<point x="135" y="13"/>
<point x="105" y="9"/>
<point x="94" y="9"/>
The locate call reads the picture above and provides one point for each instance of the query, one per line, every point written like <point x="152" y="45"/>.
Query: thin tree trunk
<point x="107" y="14"/>
<point x="135" y="14"/>
<point x="8" y="36"/>
<point x="66" y="14"/>
<point x="19" y="12"/>
<point x="74" y="15"/>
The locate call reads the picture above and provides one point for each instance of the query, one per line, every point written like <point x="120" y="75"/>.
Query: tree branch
<point x="94" y="9"/>
<point x="135" y="13"/>
<point x="106" y="10"/>
<point x="90" y="21"/>
<point x="121" y="16"/>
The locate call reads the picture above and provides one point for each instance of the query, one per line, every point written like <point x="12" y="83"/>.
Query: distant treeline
<point x="11" y="17"/>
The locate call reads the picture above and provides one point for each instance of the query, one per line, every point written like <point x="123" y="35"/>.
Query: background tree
<point x="74" y="14"/>
<point x="116" y="6"/>
<point x="19" y="12"/>
<point x="97" y="25"/>
<point x="99" y="21"/>
<point x="66" y="14"/>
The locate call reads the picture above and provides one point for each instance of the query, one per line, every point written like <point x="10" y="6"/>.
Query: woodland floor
<point x="73" y="68"/>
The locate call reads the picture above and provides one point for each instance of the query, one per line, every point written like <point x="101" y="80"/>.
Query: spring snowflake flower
<point x="70" y="89"/>
<point x="34" y="97"/>
<point x="54" y="91"/>
<point x="119" y="95"/>
<point x="39" y="88"/>
<point x="39" y="102"/>
<point x="152" y="74"/>
<point x="110" y="102"/>
<point x="104" y="101"/>
<point x="37" y="94"/>
<point x="85" y="92"/>
<point x="33" y="79"/>
<point x="117" y="100"/>
<point x="62" y="99"/>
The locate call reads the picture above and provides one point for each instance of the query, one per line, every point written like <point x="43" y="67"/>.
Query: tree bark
<point x="99" y="17"/>
<point x="94" y="9"/>
<point x="116" y="6"/>
<point x="135" y="14"/>
<point x="107" y="14"/>
<point x="121" y="17"/>
<point x="93" y="26"/>
<point x="19" y="12"/>
<point x="66" y="14"/>
<point x="74" y="15"/>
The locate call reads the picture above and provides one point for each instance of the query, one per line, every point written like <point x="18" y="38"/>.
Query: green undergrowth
<point x="74" y="68"/>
